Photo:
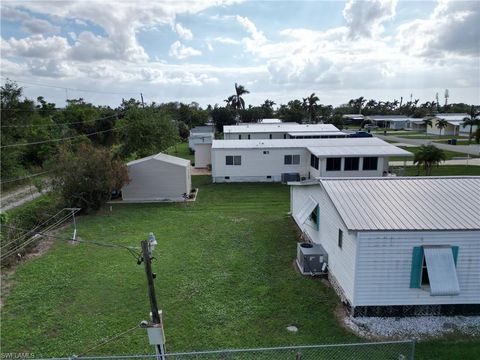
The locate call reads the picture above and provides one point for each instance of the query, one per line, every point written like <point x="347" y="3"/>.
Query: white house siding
<point x="384" y="264"/>
<point x="341" y="262"/>
<point x="203" y="155"/>
<point x="255" y="135"/>
<point x="256" y="165"/>
<point x="199" y="138"/>
<point x="449" y="130"/>
<point x="154" y="180"/>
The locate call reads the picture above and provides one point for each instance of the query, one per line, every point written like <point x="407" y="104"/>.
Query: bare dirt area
<point x="20" y="196"/>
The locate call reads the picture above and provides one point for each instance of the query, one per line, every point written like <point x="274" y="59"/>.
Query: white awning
<point x="306" y="210"/>
<point x="441" y="271"/>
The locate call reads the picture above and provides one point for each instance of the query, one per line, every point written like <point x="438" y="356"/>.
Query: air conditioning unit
<point x="312" y="259"/>
<point x="286" y="177"/>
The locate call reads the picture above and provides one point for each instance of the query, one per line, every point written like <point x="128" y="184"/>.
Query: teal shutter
<point x="417" y="259"/>
<point x="318" y="217"/>
<point x="455" y="254"/>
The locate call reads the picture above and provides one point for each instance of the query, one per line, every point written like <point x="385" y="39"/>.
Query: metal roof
<point x="354" y="116"/>
<point x="270" y="121"/>
<point x="320" y="147"/>
<point x="162" y="157"/>
<point x="392" y="118"/>
<point x="317" y="133"/>
<point x="273" y="128"/>
<point x="202" y="129"/>
<point x="406" y="203"/>
<point x="452" y="116"/>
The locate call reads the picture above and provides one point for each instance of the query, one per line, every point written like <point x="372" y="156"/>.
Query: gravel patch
<point x="416" y="327"/>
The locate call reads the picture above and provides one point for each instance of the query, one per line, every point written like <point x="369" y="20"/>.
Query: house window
<point x="425" y="280"/>
<point x="370" y="163"/>
<point x="266" y="152"/>
<point x="334" y="164"/>
<point x="248" y="136"/>
<point x="314" y="161"/>
<point x="315" y="217"/>
<point x="340" y="238"/>
<point x="233" y="160"/>
<point x="270" y="136"/>
<point x="292" y="159"/>
<point x="240" y="137"/>
<point x="284" y="136"/>
<point x="351" y="164"/>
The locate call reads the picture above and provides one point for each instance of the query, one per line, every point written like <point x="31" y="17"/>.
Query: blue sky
<point x="280" y="50"/>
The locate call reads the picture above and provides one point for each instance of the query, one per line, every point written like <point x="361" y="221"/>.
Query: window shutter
<point x="455" y="254"/>
<point x="416" y="270"/>
<point x="318" y="218"/>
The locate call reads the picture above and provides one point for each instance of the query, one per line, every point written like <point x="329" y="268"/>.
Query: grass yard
<point x="225" y="279"/>
<point x="181" y="150"/>
<point x="446" y="170"/>
<point x="414" y="149"/>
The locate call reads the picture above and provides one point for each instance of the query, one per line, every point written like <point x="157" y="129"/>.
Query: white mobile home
<point x="455" y="125"/>
<point x="201" y="135"/>
<point x="158" y="177"/>
<point x="280" y="131"/>
<point x="203" y="155"/>
<point x="396" y="246"/>
<point x="277" y="160"/>
<point x="394" y="122"/>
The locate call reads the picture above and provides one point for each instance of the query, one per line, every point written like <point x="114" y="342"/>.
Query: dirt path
<point x="13" y="199"/>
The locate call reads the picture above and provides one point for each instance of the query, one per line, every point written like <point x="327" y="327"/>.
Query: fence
<point x="389" y="350"/>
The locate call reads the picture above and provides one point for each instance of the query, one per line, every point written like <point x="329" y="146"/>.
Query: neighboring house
<point x="396" y="246"/>
<point x="158" y="177"/>
<point x="278" y="160"/>
<point x="201" y="135"/>
<point x="270" y="121"/>
<point x="454" y="127"/>
<point x="415" y="124"/>
<point x="354" y="119"/>
<point x="280" y="131"/>
<point x="394" y="122"/>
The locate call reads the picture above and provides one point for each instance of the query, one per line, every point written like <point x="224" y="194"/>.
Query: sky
<point x="195" y="51"/>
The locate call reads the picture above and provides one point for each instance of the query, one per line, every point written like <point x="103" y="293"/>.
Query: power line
<point x="69" y="88"/>
<point x="60" y="139"/>
<point x="26" y="177"/>
<point x="61" y="124"/>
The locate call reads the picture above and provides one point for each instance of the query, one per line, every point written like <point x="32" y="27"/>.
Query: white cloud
<point x="183" y="32"/>
<point x="180" y="51"/>
<point x="227" y="40"/>
<point x="36" y="46"/>
<point x="365" y="18"/>
<point x="90" y="47"/>
<point x="453" y="28"/>
<point x="39" y="26"/>
<point x="257" y="38"/>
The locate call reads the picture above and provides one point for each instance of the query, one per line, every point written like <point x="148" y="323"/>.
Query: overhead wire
<point x="62" y="124"/>
<point x="59" y="139"/>
<point x="26" y="177"/>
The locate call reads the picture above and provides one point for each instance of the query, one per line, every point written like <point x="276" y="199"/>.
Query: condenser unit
<point x="312" y="259"/>
<point x="286" y="177"/>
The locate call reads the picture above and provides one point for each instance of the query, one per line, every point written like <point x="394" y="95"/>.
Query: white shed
<point x="203" y="155"/>
<point x="397" y="246"/>
<point x="158" y="177"/>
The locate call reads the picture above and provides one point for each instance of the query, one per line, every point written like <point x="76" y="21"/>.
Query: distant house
<point x="280" y="131"/>
<point x="270" y="121"/>
<point x="455" y="124"/>
<point x="201" y="135"/>
<point x="415" y="124"/>
<point x="396" y="246"/>
<point x="394" y="122"/>
<point x="280" y="159"/>
<point x="158" y="177"/>
<point x="354" y="119"/>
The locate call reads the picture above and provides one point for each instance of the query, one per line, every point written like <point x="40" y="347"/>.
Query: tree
<point x="267" y="107"/>
<point x="146" y="132"/>
<point x="428" y="156"/>
<point x="292" y="112"/>
<point x="472" y="120"/>
<point x="222" y="116"/>
<point x="87" y="176"/>
<point x="428" y="123"/>
<point x="441" y="124"/>
<point x="310" y="105"/>
<point x="236" y="101"/>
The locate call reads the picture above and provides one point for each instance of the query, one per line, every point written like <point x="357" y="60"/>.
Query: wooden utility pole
<point x="157" y="326"/>
<point x="141" y="95"/>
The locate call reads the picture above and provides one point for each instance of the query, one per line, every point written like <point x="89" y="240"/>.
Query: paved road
<point x="466" y="149"/>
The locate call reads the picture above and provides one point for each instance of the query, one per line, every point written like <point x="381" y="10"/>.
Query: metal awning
<point x="306" y="210"/>
<point x="442" y="273"/>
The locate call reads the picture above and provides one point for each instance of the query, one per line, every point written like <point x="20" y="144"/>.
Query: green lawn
<point x="414" y="149"/>
<point x="446" y="170"/>
<point x="181" y="150"/>
<point x="225" y="279"/>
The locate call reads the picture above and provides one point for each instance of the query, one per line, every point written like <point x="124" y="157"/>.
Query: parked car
<point x="360" y="134"/>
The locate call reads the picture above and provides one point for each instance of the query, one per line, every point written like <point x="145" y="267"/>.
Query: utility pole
<point x="155" y="330"/>
<point x="141" y="96"/>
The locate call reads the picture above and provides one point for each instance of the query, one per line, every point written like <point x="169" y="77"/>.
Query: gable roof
<point x="406" y="203"/>
<point x="162" y="157"/>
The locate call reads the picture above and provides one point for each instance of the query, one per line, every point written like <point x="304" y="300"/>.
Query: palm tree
<point x="310" y="105"/>
<point x="472" y="120"/>
<point x="428" y="156"/>
<point x="427" y="122"/>
<point x="441" y="124"/>
<point x="236" y="101"/>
